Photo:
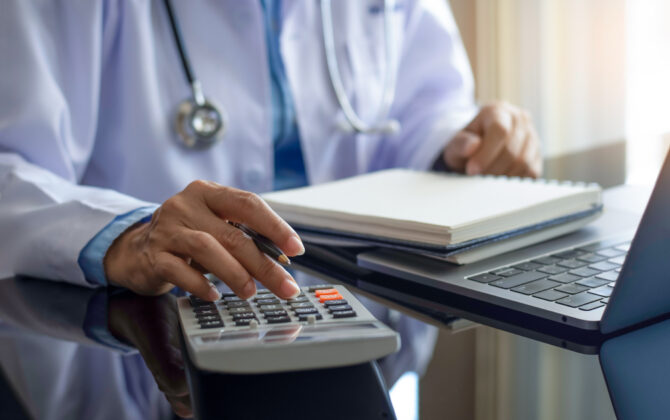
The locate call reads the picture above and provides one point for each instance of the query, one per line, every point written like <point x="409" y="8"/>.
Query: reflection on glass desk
<point x="86" y="350"/>
<point x="59" y="323"/>
<point x="634" y="364"/>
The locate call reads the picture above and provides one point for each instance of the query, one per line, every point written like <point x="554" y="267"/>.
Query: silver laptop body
<point x="606" y="276"/>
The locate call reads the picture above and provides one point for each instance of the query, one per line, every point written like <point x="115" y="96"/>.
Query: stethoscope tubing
<point x="381" y="124"/>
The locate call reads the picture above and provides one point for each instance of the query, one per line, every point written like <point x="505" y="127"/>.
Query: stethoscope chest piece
<point x="200" y="124"/>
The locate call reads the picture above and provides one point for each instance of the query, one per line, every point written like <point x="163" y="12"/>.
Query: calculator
<point x="324" y="326"/>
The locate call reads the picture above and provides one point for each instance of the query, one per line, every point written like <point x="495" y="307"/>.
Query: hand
<point x="151" y="325"/>
<point x="500" y="140"/>
<point x="189" y="235"/>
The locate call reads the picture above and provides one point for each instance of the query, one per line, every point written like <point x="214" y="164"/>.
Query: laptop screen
<point x="642" y="291"/>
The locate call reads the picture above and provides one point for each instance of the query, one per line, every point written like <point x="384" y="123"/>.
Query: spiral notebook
<point x="437" y="214"/>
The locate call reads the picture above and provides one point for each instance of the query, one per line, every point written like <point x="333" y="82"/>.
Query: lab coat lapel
<point x="329" y="152"/>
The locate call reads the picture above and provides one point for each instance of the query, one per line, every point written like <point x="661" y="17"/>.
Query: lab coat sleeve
<point x="434" y="91"/>
<point x="48" y="117"/>
<point x="46" y="221"/>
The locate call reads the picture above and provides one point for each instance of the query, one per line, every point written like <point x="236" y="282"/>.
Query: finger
<point x="259" y="265"/>
<point x="502" y="165"/>
<point x="513" y="146"/>
<point x="209" y="253"/>
<point x="181" y="405"/>
<point x="520" y="167"/>
<point x="496" y="136"/>
<point x="248" y="208"/>
<point x="531" y="163"/>
<point x="461" y="147"/>
<point x="175" y="270"/>
<point x="535" y="155"/>
<point x="512" y="154"/>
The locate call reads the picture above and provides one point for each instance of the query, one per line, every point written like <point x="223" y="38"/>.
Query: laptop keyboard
<point x="581" y="278"/>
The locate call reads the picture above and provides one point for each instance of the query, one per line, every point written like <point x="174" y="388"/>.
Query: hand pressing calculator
<point x="325" y="326"/>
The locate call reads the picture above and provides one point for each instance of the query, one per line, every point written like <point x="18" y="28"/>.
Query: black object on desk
<point x="351" y="392"/>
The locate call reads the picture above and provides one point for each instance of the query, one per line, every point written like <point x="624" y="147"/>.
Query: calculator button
<point x="281" y="312"/>
<point x="267" y="301"/>
<point x="227" y="294"/>
<point x="246" y="315"/>
<point x="304" y="318"/>
<point x="330" y="303"/>
<point x="306" y="311"/>
<point x="344" y="314"/>
<point x="325" y="292"/>
<point x="298" y="299"/>
<point x="234" y="311"/>
<point x="201" y="304"/>
<point x="243" y="322"/>
<point x="232" y="299"/>
<point x="205" y="311"/>
<point x="277" y="319"/>
<point x="338" y="308"/>
<point x="240" y="304"/>
<point x="209" y="318"/>
<point x="323" y="286"/>
<point x="324" y="298"/>
<point x="212" y="324"/>
<point x="302" y="305"/>
<point x="264" y="308"/>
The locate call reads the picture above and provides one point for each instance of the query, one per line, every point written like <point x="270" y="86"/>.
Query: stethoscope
<point x="200" y="123"/>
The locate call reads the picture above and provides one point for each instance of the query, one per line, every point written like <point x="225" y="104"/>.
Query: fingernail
<point x="295" y="243"/>
<point x="249" y="290"/>
<point x="213" y="293"/>
<point x="289" y="289"/>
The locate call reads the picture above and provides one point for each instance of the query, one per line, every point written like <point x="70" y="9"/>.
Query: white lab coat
<point x="88" y="91"/>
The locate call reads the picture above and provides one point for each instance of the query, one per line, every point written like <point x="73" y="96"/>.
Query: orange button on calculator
<point x="324" y="298"/>
<point x="321" y="292"/>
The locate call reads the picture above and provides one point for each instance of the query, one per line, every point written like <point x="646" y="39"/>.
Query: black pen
<point x="264" y="244"/>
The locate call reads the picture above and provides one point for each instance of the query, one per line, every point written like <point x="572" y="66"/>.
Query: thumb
<point x="461" y="147"/>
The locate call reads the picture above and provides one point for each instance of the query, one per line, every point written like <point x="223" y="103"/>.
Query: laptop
<point x="607" y="276"/>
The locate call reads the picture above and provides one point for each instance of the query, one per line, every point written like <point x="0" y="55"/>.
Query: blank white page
<point x="426" y="200"/>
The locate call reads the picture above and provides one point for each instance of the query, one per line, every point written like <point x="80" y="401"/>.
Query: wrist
<point x="120" y="261"/>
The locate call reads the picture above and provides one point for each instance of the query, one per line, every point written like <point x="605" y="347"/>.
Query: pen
<point x="265" y="245"/>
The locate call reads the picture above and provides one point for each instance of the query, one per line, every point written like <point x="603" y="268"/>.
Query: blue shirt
<point x="289" y="166"/>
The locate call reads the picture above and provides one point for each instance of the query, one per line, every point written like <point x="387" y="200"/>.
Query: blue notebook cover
<point x="354" y="239"/>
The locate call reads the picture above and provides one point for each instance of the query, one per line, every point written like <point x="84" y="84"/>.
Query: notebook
<point x="437" y="214"/>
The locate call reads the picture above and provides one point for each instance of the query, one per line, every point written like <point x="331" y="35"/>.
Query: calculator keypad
<point x="317" y="303"/>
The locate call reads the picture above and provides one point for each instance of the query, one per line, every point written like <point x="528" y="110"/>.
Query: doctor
<point x="106" y="179"/>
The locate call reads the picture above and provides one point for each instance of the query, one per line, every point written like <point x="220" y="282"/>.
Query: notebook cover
<point x="360" y="240"/>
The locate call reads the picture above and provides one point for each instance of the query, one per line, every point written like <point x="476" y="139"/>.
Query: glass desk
<point x="70" y="342"/>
